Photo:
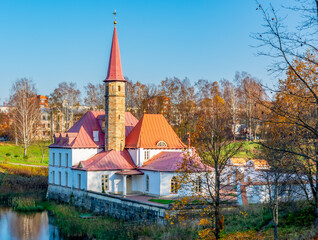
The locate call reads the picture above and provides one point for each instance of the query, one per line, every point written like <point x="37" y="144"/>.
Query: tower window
<point x="118" y="88"/>
<point x="118" y="116"/>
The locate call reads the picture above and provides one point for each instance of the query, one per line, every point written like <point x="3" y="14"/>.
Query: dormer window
<point x="80" y="165"/>
<point x="95" y="136"/>
<point x="161" y="144"/>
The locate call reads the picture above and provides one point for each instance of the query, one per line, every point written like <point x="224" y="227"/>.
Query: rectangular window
<point x="105" y="185"/>
<point x="66" y="160"/>
<point x="53" y="159"/>
<point x="147" y="155"/>
<point x="53" y="176"/>
<point x="60" y="178"/>
<point x="79" y="181"/>
<point x="66" y="179"/>
<point x="60" y="159"/>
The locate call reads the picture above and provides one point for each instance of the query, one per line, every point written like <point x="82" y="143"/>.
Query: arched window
<point x="198" y="184"/>
<point x="118" y="88"/>
<point x="161" y="144"/>
<point x="147" y="183"/>
<point x="174" y="185"/>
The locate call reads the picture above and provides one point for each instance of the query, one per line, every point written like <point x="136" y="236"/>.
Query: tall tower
<point x="115" y="100"/>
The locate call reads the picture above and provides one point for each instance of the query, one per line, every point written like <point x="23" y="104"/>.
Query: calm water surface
<point x="20" y="226"/>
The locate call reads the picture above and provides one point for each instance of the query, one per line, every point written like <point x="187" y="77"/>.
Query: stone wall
<point x="114" y="206"/>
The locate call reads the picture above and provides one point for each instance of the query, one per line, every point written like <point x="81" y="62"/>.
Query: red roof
<point x="110" y="160"/>
<point x="115" y="71"/>
<point x="80" y="135"/>
<point x="151" y="129"/>
<point x="164" y="162"/>
<point x="172" y="162"/>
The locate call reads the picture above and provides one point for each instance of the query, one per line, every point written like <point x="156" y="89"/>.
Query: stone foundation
<point x="114" y="206"/>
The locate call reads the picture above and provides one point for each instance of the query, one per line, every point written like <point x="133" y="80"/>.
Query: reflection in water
<point x="19" y="226"/>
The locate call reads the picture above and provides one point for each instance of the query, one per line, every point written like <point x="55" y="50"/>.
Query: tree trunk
<point x="217" y="205"/>
<point x="25" y="150"/>
<point x="275" y="213"/>
<point x="316" y="195"/>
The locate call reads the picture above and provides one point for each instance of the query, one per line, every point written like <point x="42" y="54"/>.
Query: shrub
<point x="26" y="205"/>
<point x="26" y="157"/>
<point x="16" y="155"/>
<point x="24" y="170"/>
<point x="8" y="154"/>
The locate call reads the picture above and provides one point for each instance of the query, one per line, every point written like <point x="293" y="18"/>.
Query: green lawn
<point x="9" y="152"/>
<point x="249" y="150"/>
<point x="162" y="201"/>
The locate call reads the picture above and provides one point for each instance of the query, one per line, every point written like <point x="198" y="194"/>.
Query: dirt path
<point x="27" y="165"/>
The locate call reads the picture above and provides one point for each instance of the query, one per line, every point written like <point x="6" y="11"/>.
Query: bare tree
<point x="63" y="100"/>
<point x="230" y="95"/>
<point x="25" y="112"/>
<point x="95" y="96"/>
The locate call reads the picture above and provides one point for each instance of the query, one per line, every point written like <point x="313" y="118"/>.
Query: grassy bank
<point x="71" y="225"/>
<point x="9" y="152"/>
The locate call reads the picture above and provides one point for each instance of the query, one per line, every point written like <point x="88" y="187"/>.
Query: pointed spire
<point x="115" y="72"/>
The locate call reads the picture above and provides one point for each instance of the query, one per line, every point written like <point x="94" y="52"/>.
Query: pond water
<point x="31" y="226"/>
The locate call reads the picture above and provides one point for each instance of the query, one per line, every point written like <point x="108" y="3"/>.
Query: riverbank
<point x="24" y="189"/>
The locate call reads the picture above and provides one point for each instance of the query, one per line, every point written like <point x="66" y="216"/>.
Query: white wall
<point x="94" y="181"/>
<point x="81" y="154"/>
<point x="154" y="182"/>
<point x="83" y="174"/>
<point x="139" y="183"/>
<point x="57" y="168"/>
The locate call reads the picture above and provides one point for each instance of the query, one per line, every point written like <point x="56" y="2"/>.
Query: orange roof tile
<point x="151" y="129"/>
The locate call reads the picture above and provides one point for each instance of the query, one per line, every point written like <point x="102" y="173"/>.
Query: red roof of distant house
<point x="151" y="129"/>
<point x="110" y="160"/>
<point x="80" y="135"/>
<point x="115" y="71"/>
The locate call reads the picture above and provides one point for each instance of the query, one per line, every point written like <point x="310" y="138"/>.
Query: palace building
<point x="112" y="151"/>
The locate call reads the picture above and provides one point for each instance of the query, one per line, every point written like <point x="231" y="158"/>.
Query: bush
<point x="8" y="154"/>
<point x="16" y="155"/>
<point x="26" y="157"/>
<point x="25" y="170"/>
<point x="26" y="205"/>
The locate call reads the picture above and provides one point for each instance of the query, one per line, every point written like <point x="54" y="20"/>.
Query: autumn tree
<point x="5" y="124"/>
<point x="295" y="103"/>
<point x="25" y="111"/>
<point x="213" y="140"/>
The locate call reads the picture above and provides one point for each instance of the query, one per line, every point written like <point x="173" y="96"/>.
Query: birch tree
<point x="25" y="111"/>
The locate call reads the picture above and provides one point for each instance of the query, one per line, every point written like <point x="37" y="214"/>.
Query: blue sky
<point x="69" y="40"/>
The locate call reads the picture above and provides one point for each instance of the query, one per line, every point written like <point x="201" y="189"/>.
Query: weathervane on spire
<point x="115" y="22"/>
